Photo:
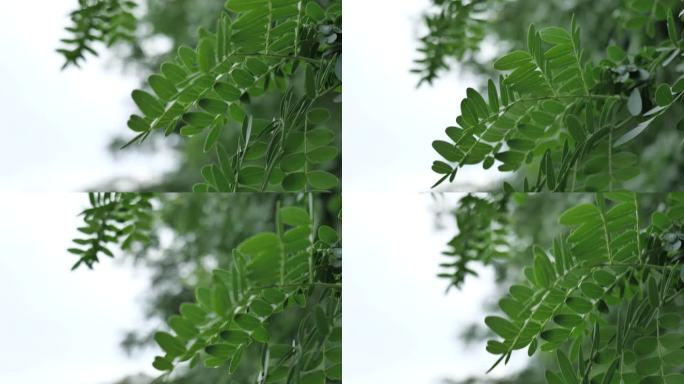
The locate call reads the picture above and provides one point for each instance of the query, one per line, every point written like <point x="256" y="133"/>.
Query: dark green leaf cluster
<point x="482" y="231"/>
<point x="449" y="40"/>
<point x="645" y="14"/>
<point x="113" y="218"/>
<point x="567" y="118"/>
<point x="606" y="298"/>
<point x="289" y="48"/>
<point x="455" y="29"/>
<point x="294" y="268"/>
<point x="106" y="21"/>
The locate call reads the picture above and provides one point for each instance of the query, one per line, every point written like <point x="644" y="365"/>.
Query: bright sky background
<point x="57" y="124"/>
<point x="399" y="326"/>
<point x="59" y="326"/>
<point x="389" y="125"/>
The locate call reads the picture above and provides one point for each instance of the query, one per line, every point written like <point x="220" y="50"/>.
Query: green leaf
<point x="578" y="214"/>
<point x="242" y="78"/>
<point x="442" y="167"/>
<point x="634" y="104"/>
<point x="591" y="290"/>
<point x="672" y="28"/>
<point x="221" y="351"/>
<point x="567" y="321"/>
<point x="327" y="235"/>
<point x="543" y="269"/>
<point x="645" y="345"/>
<point x="244" y="320"/>
<point x="575" y="128"/>
<point x="294" y="182"/>
<point x="334" y="372"/>
<point x="318" y="115"/>
<point x="579" y="304"/>
<point x="198" y="119"/>
<point x="446" y="150"/>
<point x="322" y="180"/>
<point x="319" y="137"/>
<point x="294" y="216"/>
<point x="162" y="363"/>
<point x="501" y="326"/>
<point x="512" y="60"/>
<point x="663" y="95"/>
<point x="310" y="81"/>
<point x="173" y="72"/>
<point x="493" y="96"/>
<point x="260" y="335"/>
<point x="322" y="154"/>
<point x="555" y="335"/>
<point x="566" y="368"/>
<point x="610" y="373"/>
<point x="193" y="312"/>
<point x="258" y="244"/>
<point x="321" y="321"/>
<point x="234" y="337"/>
<point x="616" y="53"/>
<point x="187" y="56"/>
<point x="172" y="346"/>
<point x="550" y="171"/>
<point x="555" y="35"/>
<point x="314" y="11"/>
<point x="317" y="377"/>
<point x="162" y="87"/>
<point x="293" y="162"/>
<point x="213" y="106"/>
<point x="235" y="361"/>
<point x="212" y="138"/>
<point x="648" y="366"/>
<point x="553" y="378"/>
<point x="138" y="124"/>
<point x="261" y="308"/>
<point x="147" y="103"/>
<point x="652" y="291"/>
<point x="227" y="91"/>
<point x="219" y="299"/>
<point x="633" y="133"/>
<point x="189" y="130"/>
<point x="678" y="86"/>
<point x="256" y="66"/>
<point x="183" y="327"/>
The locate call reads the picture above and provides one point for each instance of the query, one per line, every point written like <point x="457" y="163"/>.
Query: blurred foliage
<point x="106" y="21"/>
<point x="607" y="29"/>
<point x="603" y="22"/>
<point x="192" y="235"/>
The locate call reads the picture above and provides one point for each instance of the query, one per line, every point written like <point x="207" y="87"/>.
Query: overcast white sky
<point x="59" y="326"/>
<point x="399" y="326"/>
<point x="56" y="124"/>
<point x="389" y="125"/>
